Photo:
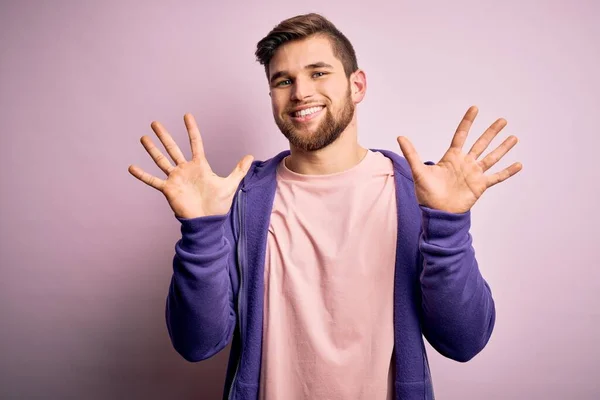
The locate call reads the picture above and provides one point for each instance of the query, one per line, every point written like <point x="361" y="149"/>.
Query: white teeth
<point x="307" y="111"/>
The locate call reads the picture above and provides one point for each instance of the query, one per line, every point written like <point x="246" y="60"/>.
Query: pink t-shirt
<point x="329" y="279"/>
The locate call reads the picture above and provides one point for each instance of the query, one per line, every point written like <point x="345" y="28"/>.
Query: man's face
<point x="310" y="93"/>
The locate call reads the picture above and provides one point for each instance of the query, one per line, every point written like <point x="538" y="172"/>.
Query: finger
<point x="241" y="169"/>
<point x="493" y="157"/>
<point x="163" y="162"/>
<point x="148" y="179"/>
<point x="504" y="174"/>
<point x="168" y="142"/>
<point x="484" y="140"/>
<point x="409" y="153"/>
<point x="195" y="139"/>
<point x="462" y="131"/>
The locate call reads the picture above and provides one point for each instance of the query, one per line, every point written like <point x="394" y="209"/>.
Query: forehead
<point x="295" y="55"/>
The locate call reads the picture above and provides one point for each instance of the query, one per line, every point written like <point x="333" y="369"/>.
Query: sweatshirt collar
<point x="264" y="171"/>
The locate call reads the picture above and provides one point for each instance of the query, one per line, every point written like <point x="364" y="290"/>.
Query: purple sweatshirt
<point x="217" y="287"/>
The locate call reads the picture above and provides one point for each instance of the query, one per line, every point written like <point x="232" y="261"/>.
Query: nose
<point x="302" y="89"/>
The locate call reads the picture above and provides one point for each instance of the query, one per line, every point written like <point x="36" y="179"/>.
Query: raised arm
<point x="457" y="304"/>
<point x="199" y="312"/>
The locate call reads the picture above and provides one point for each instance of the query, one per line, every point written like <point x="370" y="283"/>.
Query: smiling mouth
<point x="307" y="114"/>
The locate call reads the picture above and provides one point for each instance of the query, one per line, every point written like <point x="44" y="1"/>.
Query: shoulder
<point x="263" y="171"/>
<point x="400" y="164"/>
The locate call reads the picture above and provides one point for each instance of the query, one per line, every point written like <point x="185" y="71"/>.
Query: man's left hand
<point x="457" y="181"/>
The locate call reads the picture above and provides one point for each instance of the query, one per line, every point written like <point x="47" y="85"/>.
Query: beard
<point x="327" y="132"/>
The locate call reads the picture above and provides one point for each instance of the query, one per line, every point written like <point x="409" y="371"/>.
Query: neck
<point x="339" y="156"/>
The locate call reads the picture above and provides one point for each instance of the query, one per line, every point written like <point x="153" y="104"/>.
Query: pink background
<point x="85" y="249"/>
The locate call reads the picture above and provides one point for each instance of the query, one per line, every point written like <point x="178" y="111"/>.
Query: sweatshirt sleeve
<point x="200" y="314"/>
<point x="457" y="304"/>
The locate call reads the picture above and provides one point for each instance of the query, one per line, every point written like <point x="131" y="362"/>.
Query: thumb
<point x="241" y="169"/>
<point x="409" y="153"/>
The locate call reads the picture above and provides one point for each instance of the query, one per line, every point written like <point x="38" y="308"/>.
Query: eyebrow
<point x="316" y="65"/>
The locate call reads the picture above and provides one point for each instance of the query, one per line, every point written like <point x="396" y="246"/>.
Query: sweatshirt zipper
<point x="241" y="251"/>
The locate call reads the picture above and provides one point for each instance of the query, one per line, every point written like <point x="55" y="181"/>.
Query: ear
<point x="358" y="85"/>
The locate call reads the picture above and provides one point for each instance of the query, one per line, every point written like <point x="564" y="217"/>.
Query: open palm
<point x="458" y="180"/>
<point x="191" y="188"/>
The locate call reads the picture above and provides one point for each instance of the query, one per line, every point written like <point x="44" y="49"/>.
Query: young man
<point x="328" y="263"/>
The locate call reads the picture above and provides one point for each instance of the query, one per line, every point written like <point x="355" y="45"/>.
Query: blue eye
<point x="284" y="82"/>
<point x="319" y="74"/>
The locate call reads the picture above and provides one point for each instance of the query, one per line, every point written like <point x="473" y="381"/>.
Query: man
<point x="328" y="263"/>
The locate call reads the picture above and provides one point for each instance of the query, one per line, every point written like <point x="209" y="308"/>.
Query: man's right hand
<point x="191" y="188"/>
